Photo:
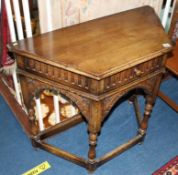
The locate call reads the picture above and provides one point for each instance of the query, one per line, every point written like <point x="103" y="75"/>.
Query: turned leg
<point x="92" y="144"/>
<point x="92" y="152"/>
<point x="94" y="127"/>
<point x="147" y="113"/>
<point x="33" y="125"/>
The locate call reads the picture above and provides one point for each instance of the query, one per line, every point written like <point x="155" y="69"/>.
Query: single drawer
<point x="133" y="73"/>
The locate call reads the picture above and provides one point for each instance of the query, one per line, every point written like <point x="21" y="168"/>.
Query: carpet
<point x="170" y="168"/>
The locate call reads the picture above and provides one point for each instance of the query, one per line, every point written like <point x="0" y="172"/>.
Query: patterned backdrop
<point x="69" y="12"/>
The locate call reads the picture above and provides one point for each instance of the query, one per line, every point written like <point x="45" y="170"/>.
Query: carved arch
<point x="80" y="102"/>
<point x="110" y="101"/>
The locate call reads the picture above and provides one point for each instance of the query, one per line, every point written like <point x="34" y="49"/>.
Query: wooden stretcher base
<point x="39" y="139"/>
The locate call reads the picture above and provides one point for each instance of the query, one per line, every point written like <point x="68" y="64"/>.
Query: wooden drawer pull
<point x="138" y="72"/>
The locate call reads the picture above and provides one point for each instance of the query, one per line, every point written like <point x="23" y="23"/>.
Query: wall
<point x="56" y="14"/>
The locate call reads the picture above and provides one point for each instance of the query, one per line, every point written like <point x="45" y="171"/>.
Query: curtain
<point x="5" y="59"/>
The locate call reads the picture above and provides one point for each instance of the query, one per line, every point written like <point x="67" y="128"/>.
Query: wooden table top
<point x="100" y="47"/>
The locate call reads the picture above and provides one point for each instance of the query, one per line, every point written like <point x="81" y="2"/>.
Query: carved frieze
<point x="88" y="84"/>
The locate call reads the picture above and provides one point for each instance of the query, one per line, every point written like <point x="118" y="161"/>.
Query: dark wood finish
<point x="61" y="153"/>
<point x="119" y="150"/>
<point x="169" y="101"/>
<point x="60" y="127"/>
<point x="95" y="64"/>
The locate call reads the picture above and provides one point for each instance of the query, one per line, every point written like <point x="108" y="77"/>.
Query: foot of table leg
<point x="92" y="162"/>
<point x="33" y="142"/>
<point x="147" y="113"/>
<point x="142" y="133"/>
<point x="92" y="144"/>
<point x="91" y="167"/>
<point x="92" y="152"/>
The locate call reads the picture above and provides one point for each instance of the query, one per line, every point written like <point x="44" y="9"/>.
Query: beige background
<point x="62" y="13"/>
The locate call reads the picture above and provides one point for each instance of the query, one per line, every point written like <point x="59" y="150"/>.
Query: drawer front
<point x="135" y="73"/>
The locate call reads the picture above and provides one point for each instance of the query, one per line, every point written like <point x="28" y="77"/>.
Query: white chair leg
<point x="39" y="113"/>
<point x="56" y="108"/>
<point x="18" y="19"/>
<point x="166" y="13"/>
<point x="26" y="12"/>
<point x="17" y="88"/>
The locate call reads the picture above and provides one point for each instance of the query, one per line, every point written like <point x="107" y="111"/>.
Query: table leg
<point x="147" y="113"/>
<point x="94" y="126"/>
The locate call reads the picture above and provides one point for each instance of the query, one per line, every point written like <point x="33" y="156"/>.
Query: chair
<point x="172" y="63"/>
<point x="172" y="67"/>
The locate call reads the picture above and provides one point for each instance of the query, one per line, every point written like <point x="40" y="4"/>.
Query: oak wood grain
<point x="113" y="43"/>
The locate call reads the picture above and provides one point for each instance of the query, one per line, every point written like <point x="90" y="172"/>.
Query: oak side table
<point x="93" y="64"/>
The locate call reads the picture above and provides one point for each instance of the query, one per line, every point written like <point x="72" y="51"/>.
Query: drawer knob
<point x="138" y="72"/>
